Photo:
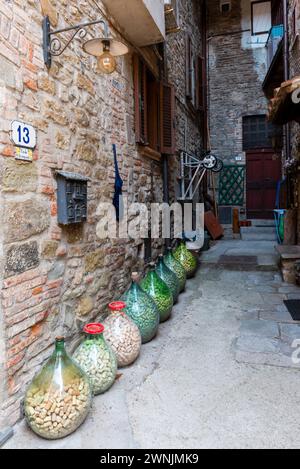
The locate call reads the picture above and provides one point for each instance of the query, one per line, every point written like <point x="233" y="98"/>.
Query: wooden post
<point x="236" y="221"/>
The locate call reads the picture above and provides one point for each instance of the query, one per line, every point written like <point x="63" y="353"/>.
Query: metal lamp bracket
<point x="53" y="45"/>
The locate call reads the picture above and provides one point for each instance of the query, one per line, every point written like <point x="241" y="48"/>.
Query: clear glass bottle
<point x="154" y="286"/>
<point x="59" y="397"/>
<point x="176" y="267"/>
<point x="97" y="359"/>
<point x="168" y="277"/>
<point x="142" y="310"/>
<point x="186" y="259"/>
<point x="122" y="334"/>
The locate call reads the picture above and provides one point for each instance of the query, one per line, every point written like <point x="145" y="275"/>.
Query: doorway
<point x="263" y="166"/>
<point x="263" y="173"/>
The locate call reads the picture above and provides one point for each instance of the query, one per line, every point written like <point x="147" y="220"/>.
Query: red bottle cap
<point x="117" y="306"/>
<point x="94" y="329"/>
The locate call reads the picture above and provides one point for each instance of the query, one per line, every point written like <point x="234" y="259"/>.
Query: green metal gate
<point x="232" y="185"/>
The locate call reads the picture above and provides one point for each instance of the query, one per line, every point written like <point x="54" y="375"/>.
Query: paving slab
<point x="254" y="344"/>
<point x="268" y="329"/>
<point x="5" y="435"/>
<point x="278" y="314"/>
<point x="289" y="332"/>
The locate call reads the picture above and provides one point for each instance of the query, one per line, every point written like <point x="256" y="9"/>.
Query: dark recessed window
<point x="148" y="250"/>
<point x="259" y="133"/>
<point x="225" y="8"/>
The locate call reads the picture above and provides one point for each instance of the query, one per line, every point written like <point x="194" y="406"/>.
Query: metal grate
<point x="232" y="185"/>
<point x="225" y="215"/>
<point x="258" y="132"/>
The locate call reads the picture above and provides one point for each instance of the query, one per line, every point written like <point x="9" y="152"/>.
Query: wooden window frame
<point x="167" y="118"/>
<point x="192" y="76"/>
<point x="252" y="17"/>
<point x="154" y="112"/>
<point x="295" y="22"/>
<point x="188" y="66"/>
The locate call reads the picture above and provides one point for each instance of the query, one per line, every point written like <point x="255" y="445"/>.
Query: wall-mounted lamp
<point x="104" y="48"/>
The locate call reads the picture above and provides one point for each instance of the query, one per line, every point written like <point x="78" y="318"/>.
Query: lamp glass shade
<point x="107" y="63"/>
<point x="98" y="46"/>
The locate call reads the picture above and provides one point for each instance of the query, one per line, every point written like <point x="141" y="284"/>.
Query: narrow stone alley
<point x="220" y="373"/>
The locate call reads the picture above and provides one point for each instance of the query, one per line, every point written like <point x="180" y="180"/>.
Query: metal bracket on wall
<point x="53" y="46"/>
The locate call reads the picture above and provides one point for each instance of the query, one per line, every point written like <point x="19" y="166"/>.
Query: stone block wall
<point x="188" y="134"/>
<point x="54" y="279"/>
<point x="237" y="67"/>
<point x="295" y="128"/>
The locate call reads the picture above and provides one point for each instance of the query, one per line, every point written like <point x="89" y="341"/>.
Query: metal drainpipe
<point x="164" y="158"/>
<point x="286" y="41"/>
<point x="286" y="65"/>
<point x="166" y="196"/>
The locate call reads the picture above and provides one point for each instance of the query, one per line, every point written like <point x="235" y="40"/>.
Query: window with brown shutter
<point x="140" y="98"/>
<point x="167" y="119"/>
<point x="188" y="66"/>
<point x="200" y="84"/>
<point x="153" y="107"/>
<point x="154" y="112"/>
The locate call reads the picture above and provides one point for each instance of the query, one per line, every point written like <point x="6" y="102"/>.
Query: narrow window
<point x="261" y="17"/>
<point x="259" y="133"/>
<point x="154" y="110"/>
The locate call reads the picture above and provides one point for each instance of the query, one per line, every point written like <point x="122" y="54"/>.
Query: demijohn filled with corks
<point x="59" y="397"/>
<point x="122" y="334"/>
<point x="95" y="356"/>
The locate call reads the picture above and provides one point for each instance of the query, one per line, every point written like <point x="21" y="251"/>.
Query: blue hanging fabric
<point x="118" y="200"/>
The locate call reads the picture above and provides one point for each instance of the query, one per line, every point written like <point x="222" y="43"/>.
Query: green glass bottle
<point x="186" y="259"/>
<point x="168" y="277"/>
<point x="142" y="310"/>
<point x="59" y="397"/>
<point x="176" y="267"/>
<point x="95" y="356"/>
<point x="154" y="286"/>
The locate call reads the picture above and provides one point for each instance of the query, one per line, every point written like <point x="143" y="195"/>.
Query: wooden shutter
<point x="167" y="119"/>
<point x="154" y="115"/>
<point x="140" y="100"/>
<point x="188" y="66"/>
<point x="200" y="83"/>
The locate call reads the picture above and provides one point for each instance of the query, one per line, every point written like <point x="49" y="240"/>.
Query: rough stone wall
<point x="237" y="68"/>
<point x="295" y="128"/>
<point x="188" y="135"/>
<point x="55" y="279"/>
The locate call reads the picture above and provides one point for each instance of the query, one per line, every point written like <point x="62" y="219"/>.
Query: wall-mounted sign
<point x="23" y="135"/>
<point x="23" y="154"/>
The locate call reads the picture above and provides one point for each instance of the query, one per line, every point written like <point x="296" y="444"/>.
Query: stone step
<point x="261" y="223"/>
<point x="258" y="229"/>
<point x="256" y="236"/>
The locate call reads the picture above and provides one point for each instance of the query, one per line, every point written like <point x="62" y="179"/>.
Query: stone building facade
<point x="54" y="279"/>
<point x="294" y="62"/>
<point x="237" y="68"/>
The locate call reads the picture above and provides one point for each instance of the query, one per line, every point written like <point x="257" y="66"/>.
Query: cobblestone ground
<point x="219" y="375"/>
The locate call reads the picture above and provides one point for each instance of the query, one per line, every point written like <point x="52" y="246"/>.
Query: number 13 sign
<point x="23" y="135"/>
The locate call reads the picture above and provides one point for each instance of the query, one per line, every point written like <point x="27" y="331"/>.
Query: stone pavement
<point x="219" y="374"/>
<point x="263" y="251"/>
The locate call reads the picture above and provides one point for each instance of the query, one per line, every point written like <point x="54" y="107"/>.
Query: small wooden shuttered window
<point x="167" y="109"/>
<point x="188" y="66"/>
<point x="140" y="99"/>
<point x="154" y="110"/>
<point x="200" y="84"/>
